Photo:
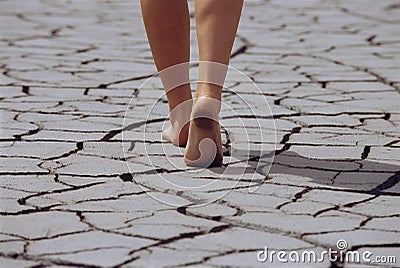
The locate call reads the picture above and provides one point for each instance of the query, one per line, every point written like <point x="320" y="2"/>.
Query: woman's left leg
<point x="167" y="25"/>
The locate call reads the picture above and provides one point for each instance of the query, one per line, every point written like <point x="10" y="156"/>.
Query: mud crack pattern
<point x="330" y="70"/>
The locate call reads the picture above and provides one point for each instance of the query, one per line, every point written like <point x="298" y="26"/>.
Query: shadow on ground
<point x="357" y="174"/>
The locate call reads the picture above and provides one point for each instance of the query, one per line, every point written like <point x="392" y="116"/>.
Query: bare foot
<point x="178" y="132"/>
<point x="204" y="148"/>
<point x="177" y="135"/>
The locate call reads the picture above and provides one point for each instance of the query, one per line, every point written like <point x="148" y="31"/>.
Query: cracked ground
<point x="76" y="186"/>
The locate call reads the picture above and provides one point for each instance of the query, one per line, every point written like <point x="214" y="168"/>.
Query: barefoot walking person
<point x="167" y="25"/>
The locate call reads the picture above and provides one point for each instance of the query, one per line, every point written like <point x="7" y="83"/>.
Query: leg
<point x="167" y="25"/>
<point x="217" y="22"/>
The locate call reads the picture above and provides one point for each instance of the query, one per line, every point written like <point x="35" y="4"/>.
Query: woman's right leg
<point x="217" y="22"/>
<point x="167" y="25"/>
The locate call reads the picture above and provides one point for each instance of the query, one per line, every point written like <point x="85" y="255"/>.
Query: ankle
<point x="206" y="107"/>
<point x="178" y="95"/>
<point x="180" y="114"/>
<point x="208" y="91"/>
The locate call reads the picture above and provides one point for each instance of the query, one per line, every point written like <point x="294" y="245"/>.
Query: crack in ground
<point x="115" y="132"/>
<point x="182" y="236"/>
<point x="296" y="197"/>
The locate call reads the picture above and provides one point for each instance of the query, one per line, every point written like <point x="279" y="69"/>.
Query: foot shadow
<point x="360" y="175"/>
